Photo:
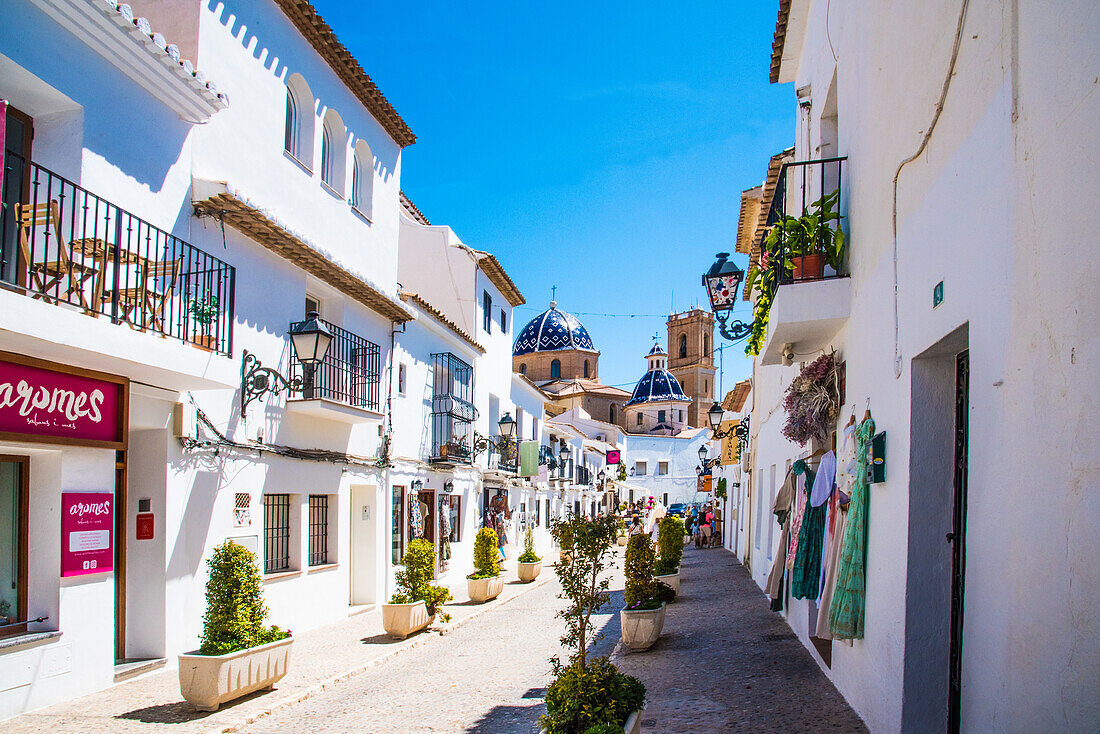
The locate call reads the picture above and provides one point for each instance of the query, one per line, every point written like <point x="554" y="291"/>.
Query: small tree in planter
<point x="485" y="582"/>
<point x="643" y="618"/>
<point x="416" y="601"/>
<point x="670" y="543"/>
<point x="530" y="564"/>
<point x="587" y="694"/>
<point x="238" y="653"/>
<point x="204" y="310"/>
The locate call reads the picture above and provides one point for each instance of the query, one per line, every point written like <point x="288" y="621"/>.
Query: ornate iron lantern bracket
<point x="257" y="380"/>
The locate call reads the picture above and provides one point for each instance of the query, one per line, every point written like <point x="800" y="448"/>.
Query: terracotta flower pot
<point x="672" y="580"/>
<point x="808" y="267"/>
<point x="641" y="628"/>
<point x="204" y="341"/>
<point x="401" y="620"/>
<point x="621" y="540"/>
<point x="481" y="590"/>
<point x="208" y="681"/>
<point x="528" y="572"/>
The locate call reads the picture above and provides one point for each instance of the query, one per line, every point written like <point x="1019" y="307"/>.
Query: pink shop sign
<point x="42" y="401"/>
<point x="87" y="532"/>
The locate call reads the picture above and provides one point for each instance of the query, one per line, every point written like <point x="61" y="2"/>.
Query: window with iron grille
<point x="318" y="529"/>
<point x="276" y="533"/>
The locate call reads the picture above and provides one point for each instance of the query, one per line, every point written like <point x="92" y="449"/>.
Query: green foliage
<point x="414" y="582"/>
<point x="670" y="543"/>
<point x="592" y="699"/>
<point x="622" y="472"/>
<point x="235" y="609"/>
<point x="816" y="232"/>
<point x="528" y="555"/>
<point x="204" y="310"/>
<point x="642" y="590"/>
<point x="720" y="491"/>
<point x="486" y="555"/>
<point x="589" y="542"/>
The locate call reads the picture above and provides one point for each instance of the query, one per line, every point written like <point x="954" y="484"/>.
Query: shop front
<point x="63" y="513"/>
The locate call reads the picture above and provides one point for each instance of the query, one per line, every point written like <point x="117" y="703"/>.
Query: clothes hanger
<point x="867" y="413"/>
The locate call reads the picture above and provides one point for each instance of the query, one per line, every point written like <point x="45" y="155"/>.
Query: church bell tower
<point x="691" y="360"/>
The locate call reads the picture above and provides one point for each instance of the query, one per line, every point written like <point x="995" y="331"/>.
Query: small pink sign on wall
<point x="87" y="532"/>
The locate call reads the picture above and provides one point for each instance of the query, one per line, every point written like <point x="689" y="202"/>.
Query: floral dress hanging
<point x="444" y="533"/>
<point x="416" y="522"/>
<point x="850" y="597"/>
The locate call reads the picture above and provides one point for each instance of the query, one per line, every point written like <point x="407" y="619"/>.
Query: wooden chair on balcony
<point x="146" y="301"/>
<point x="47" y="273"/>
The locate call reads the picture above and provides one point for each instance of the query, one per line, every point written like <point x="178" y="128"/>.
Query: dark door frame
<point x="957" y="538"/>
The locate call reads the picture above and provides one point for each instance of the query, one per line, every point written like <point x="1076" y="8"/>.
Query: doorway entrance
<point x="427" y="503"/>
<point x="364" y="542"/>
<point x="938" y="470"/>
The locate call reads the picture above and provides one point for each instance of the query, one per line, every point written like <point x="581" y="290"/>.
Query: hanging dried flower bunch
<point x="813" y="401"/>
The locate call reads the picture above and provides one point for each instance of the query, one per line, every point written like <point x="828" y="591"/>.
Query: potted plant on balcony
<point x="670" y="543"/>
<point x="416" y="601"/>
<point x="238" y="653"/>
<point x="529" y="565"/>
<point x="643" y="617"/>
<point x="811" y="241"/>
<point x="205" y="311"/>
<point x="485" y="582"/>
<point x="588" y="695"/>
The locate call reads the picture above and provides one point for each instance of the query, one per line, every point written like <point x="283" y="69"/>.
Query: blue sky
<point x="600" y="151"/>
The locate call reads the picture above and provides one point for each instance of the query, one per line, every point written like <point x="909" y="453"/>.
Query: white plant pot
<point x="528" y="572"/>
<point x="484" y="589"/>
<point x="641" y="628"/>
<point x="672" y="579"/>
<point x="633" y="723"/>
<point x="401" y="620"/>
<point x="621" y="540"/>
<point x="208" y="681"/>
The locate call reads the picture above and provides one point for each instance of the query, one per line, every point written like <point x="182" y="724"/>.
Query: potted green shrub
<point x="238" y="653"/>
<point x="416" y="602"/>
<point x="485" y="582"/>
<point x="670" y="542"/>
<point x="811" y="241"/>
<point x="588" y="696"/>
<point x="643" y="617"/>
<point x="565" y="543"/>
<point x="529" y="564"/>
<point x="204" y="311"/>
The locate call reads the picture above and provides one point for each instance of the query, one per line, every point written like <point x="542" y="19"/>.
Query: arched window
<point x="683" y="346"/>
<point x="639" y="419"/>
<point x="611" y="414"/>
<point x="555" y="369"/>
<point x="523" y="369"/>
<point x="706" y="345"/>
<point x="586" y="368"/>
<point x="333" y="150"/>
<point x="362" y="179"/>
<point x="298" y="127"/>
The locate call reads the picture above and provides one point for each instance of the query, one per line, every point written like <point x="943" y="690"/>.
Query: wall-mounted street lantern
<point x="310" y="341"/>
<point x="704" y="463"/>
<point x="448" y="486"/>
<point x="507" y="427"/>
<point x="722" y="281"/>
<point x="416" y="485"/>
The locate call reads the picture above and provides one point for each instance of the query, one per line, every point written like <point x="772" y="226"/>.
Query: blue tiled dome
<point x="551" y="331"/>
<point x="657" y="385"/>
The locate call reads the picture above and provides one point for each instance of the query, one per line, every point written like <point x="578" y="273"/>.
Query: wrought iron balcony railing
<point x="64" y="245"/>
<point x="453" y="411"/>
<point x="806" y="238"/>
<point x="350" y="372"/>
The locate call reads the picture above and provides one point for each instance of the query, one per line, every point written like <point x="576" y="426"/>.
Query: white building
<point x="966" y="323"/>
<point x="161" y="237"/>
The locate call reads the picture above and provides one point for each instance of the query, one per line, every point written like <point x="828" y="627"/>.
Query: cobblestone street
<point x="725" y="663"/>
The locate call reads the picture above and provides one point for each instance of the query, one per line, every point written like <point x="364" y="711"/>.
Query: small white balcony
<point x="807" y="315"/>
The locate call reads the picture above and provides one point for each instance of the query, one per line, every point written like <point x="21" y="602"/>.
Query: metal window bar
<point x="318" y="529"/>
<point x="276" y="532"/>
<point x="71" y="247"/>
<point x="349" y="373"/>
<point x="799" y="185"/>
<point x="453" y="411"/>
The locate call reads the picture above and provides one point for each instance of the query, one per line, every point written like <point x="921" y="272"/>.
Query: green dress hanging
<point x="850" y="597"/>
<point x="806" y="574"/>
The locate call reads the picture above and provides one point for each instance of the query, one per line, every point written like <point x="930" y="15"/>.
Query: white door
<point x="364" y="557"/>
